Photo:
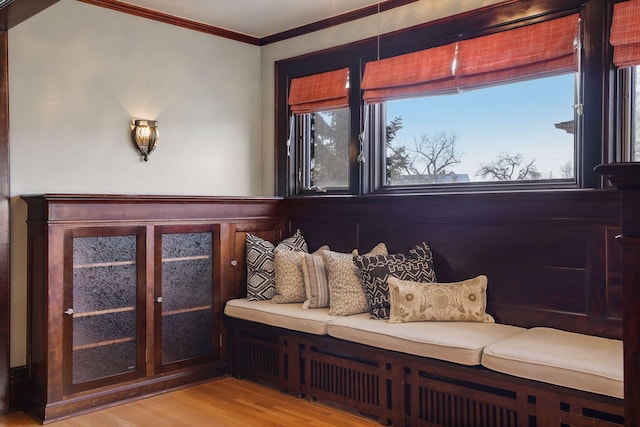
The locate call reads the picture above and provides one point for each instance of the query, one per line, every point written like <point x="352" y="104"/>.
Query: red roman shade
<point x="410" y="75"/>
<point x="324" y="91"/>
<point x="547" y="48"/>
<point x="625" y="33"/>
<point x="536" y="50"/>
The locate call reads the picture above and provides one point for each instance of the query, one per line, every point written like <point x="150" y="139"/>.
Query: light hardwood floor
<point x="227" y="402"/>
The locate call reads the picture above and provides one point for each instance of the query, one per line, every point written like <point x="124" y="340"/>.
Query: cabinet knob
<point x="159" y="299"/>
<point x="234" y="263"/>
<point x="69" y="311"/>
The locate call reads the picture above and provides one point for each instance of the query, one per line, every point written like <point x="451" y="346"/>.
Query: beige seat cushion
<point x="288" y="316"/>
<point x="458" y="342"/>
<point x="563" y="358"/>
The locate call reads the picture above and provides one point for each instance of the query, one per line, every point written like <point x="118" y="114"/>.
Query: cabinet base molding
<point x="108" y="396"/>
<point x="18" y="377"/>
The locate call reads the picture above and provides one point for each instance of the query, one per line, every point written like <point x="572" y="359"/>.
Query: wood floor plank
<point x="227" y="402"/>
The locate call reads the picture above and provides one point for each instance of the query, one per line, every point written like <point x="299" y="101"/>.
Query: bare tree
<point x="566" y="171"/>
<point x="509" y="167"/>
<point x="432" y="155"/>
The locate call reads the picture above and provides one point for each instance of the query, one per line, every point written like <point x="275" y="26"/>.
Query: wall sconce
<point x="144" y="135"/>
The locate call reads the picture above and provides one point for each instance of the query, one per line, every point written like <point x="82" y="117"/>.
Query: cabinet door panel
<point x="265" y="229"/>
<point x="102" y="294"/>
<point x="186" y="265"/>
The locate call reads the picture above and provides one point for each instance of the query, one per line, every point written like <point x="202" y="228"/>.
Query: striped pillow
<point x="316" y="283"/>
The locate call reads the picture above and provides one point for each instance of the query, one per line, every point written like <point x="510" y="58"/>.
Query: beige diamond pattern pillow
<point x="458" y="301"/>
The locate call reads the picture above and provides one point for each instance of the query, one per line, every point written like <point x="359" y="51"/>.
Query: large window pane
<point x="635" y="115"/>
<point x="325" y="149"/>
<point x="513" y="132"/>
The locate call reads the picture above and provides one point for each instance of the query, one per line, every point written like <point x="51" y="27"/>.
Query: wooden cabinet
<point x="126" y="293"/>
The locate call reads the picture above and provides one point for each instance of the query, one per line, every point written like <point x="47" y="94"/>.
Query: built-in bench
<point x="431" y="373"/>
<point x="555" y="269"/>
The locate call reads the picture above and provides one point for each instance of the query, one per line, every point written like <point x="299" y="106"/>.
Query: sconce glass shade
<point x="144" y="135"/>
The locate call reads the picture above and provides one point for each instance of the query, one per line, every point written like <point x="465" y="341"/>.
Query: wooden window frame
<point x="597" y="77"/>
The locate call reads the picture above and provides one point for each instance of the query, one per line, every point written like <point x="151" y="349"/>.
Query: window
<point x="635" y="115"/>
<point x="495" y="108"/>
<point x="516" y="110"/>
<point x="324" y="150"/>
<point x="319" y="131"/>
<point x="625" y="39"/>
<point x="512" y="132"/>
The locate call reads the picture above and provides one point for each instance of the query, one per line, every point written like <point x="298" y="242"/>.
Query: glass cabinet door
<point x="101" y="307"/>
<point x="184" y="301"/>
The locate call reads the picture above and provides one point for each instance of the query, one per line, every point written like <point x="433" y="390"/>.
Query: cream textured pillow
<point x="458" y="301"/>
<point x="289" y="279"/>
<point x="346" y="295"/>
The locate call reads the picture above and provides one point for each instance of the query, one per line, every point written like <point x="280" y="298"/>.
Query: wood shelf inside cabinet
<point x="103" y="264"/>
<point x="187" y="258"/>
<point x="187" y="310"/>
<point x="103" y="343"/>
<point x="103" y="312"/>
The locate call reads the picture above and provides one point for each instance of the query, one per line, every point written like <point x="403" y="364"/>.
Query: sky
<point x="517" y="118"/>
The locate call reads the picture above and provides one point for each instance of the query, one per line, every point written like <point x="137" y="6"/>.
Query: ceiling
<point x="256" y="18"/>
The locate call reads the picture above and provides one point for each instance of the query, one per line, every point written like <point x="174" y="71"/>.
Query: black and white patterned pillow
<point x="374" y="271"/>
<point x="261" y="273"/>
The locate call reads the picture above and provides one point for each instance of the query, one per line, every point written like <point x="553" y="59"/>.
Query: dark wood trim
<point x="221" y="32"/>
<point x="21" y="10"/>
<point x="18" y="378"/>
<point x="173" y="20"/>
<point x="5" y="249"/>
<point x="10" y="16"/>
<point x="626" y="177"/>
<point x="333" y="21"/>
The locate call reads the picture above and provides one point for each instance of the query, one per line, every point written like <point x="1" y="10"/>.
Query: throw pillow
<point x="346" y="295"/>
<point x="290" y="285"/>
<point x="316" y="281"/>
<point x="374" y="271"/>
<point x="260" y="264"/>
<point x="459" y="301"/>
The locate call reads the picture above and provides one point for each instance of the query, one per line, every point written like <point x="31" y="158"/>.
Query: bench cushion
<point x="288" y="316"/>
<point x="458" y="342"/>
<point x="563" y="358"/>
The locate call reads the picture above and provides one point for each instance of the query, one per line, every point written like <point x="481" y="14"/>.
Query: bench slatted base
<point x="405" y="390"/>
<point x="343" y="376"/>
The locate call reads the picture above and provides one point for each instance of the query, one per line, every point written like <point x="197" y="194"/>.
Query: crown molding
<point x="16" y="11"/>
<point x="221" y="32"/>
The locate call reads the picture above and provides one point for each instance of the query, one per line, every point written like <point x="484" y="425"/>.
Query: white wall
<point x="77" y="75"/>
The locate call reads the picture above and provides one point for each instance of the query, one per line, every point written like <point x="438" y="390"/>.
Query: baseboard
<point x="17" y="388"/>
